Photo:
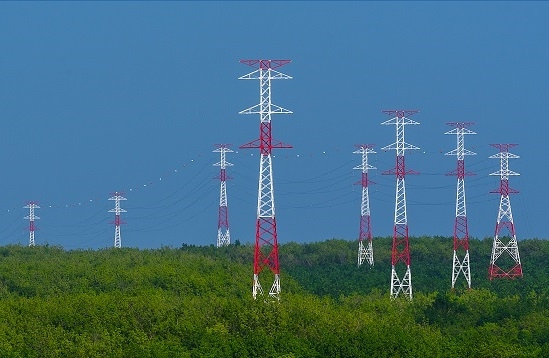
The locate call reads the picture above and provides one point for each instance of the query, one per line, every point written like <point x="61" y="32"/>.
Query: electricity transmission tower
<point x="401" y="247"/>
<point x="117" y="197"/>
<point x="31" y="217"/>
<point x="505" y="227"/>
<point x="223" y="234"/>
<point x="365" y="251"/>
<point x="266" y="242"/>
<point x="461" y="230"/>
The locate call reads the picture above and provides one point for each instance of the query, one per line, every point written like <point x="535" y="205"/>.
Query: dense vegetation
<point x="196" y="302"/>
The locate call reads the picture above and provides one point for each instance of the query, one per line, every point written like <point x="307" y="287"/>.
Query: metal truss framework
<point x="504" y="224"/>
<point x="31" y="217"/>
<point x="461" y="230"/>
<point x="223" y="233"/>
<point x="365" y="250"/>
<point x="401" y="245"/>
<point x="117" y="197"/>
<point x="266" y="242"/>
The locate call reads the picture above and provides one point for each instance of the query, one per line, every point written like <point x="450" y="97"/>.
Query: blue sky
<point x="98" y="97"/>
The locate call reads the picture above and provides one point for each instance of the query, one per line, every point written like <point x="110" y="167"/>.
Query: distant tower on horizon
<point x="117" y="197"/>
<point x="266" y="241"/>
<point x="505" y="224"/>
<point x="461" y="230"/>
<point x="223" y="234"/>
<point x="365" y="252"/>
<point x="401" y="245"/>
<point x="31" y="217"/>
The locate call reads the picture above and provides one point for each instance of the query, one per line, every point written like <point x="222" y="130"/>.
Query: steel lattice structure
<point x="117" y="197"/>
<point x="401" y="245"/>
<point x="504" y="224"/>
<point x="461" y="230"/>
<point x="31" y="217"/>
<point x="266" y="242"/>
<point x="365" y="252"/>
<point x="223" y="233"/>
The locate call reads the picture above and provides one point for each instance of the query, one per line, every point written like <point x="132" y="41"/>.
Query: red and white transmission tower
<point x="266" y="243"/>
<point x="401" y="246"/>
<point x="117" y="222"/>
<point x="461" y="231"/>
<point x="31" y="217"/>
<point x="223" y="234"/>
<point x="505" y="219"/>
<point x="365" y="252"/>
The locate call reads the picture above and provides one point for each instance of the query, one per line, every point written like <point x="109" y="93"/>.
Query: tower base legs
<point x="404" y="286"/>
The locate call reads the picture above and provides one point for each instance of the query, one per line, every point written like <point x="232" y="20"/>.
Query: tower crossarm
<point x="271" y="75"/>
<point x="265" y="64"/>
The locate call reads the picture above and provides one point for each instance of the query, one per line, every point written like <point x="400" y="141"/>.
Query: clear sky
<point x="98" y="97"/>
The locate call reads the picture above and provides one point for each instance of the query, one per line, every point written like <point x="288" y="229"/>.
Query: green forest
<point x="196" y="301"/>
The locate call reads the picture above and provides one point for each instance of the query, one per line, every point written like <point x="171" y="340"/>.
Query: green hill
<point x="196" y="302"/>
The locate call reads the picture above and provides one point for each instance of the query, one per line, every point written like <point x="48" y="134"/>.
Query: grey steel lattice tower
<point x="365" y="251"/>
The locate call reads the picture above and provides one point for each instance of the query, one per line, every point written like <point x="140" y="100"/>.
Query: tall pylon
<point x="365" y="251"/>
<point x="401" y="245"/>
<point x="505" y="224"/>
<point x="223" y="234"/>
<point x="266" y="242"/>
<point x="31" y="217"/>
<point x="461" y="230"/>
<point x="117" y="197"/>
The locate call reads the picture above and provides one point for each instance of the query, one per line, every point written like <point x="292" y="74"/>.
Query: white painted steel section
<point x="400" y="145"/>
<point x="275" y="288"/>
<point x="404" y="285"/>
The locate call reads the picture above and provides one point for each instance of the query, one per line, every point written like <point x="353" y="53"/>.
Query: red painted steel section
<point x="223" y="218"/>
<point x="461" y="233"/>
<point x="265" y="64"/>
<point x="365" y="229"/>
<point x="401" y="245"/>
<point x="266" y="246"/>
<point x="400" y="113"/>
